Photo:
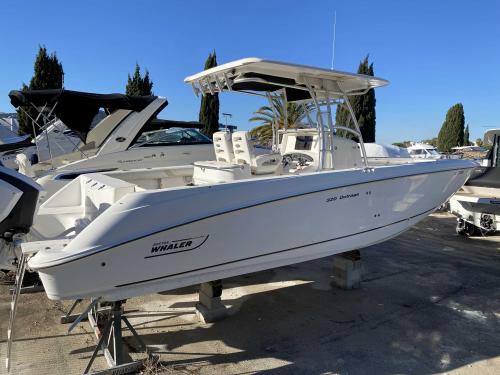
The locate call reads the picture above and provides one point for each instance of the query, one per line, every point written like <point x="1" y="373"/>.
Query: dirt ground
<point x="429" y="303"/>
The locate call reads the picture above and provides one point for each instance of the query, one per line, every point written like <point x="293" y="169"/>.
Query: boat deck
<point x="429" y="303"/>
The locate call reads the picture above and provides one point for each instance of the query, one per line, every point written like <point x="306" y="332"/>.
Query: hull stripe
<point x="85" y="255"/>
<point x="272" y="253"/>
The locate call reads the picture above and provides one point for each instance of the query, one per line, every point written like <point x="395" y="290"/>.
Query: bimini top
<point x="254" y="75"/>
<point x="77" y="109"/>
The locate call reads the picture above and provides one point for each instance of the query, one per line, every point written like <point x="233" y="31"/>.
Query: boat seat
<point x="223" y="147"/>
<point x="79" y="202"/>
<point x="102" y="191"/>
<point x="215" y="172"/>
<point x="89" y="194"/>
<point x="244" y="153"/>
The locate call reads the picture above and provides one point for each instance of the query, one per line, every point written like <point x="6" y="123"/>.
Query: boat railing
<point x="324" y="94"/>
<point x="45" y="115"/>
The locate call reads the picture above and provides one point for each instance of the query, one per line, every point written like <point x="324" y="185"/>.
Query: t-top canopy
<point x="77" y="109"/>
<point x="253" y="74"/>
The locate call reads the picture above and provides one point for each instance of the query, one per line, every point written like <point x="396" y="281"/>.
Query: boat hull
<point x="311" y="217"/>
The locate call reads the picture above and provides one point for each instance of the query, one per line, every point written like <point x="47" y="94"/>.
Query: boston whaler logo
<point x="176" y="246"/>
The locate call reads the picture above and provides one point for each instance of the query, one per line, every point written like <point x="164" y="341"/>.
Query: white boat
<point x="477" y="204"/>
<point x="121" y="234"/>
<point x="118" y="142"/>
<point x="424" y="151"/>
<point x="54" y="139"/>
<point x="383" y="154"/>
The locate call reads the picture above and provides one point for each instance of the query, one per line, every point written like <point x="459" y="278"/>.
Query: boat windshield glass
<point x="303" y="142"/>
<point x="171" y="136"/>
<point x="432" y="151"/>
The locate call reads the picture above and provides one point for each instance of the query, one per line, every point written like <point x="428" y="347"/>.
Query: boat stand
<point x="210" y="308"/>
<point x="68" y="317"/>
<point x="106" y="321"/>
<point x="347" y="269"/>
<point x="29" y="289"/>
<point x="31" y="284"/>
<point x="20" y="273"/>
<point x="21" y="269"/>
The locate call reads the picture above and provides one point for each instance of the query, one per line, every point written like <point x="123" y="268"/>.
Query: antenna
<point x="333" y="44"/>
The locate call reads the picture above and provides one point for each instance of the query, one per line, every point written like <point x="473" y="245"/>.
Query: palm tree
<point x="266" y="115"/>
<point x="263" y="134"/>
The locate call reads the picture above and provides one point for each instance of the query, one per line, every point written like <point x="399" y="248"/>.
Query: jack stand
<point x="210" y="308"/>
<point x="31" y="284"/>
<point x="28" y="289"/>
<point x="347" y="269"/>
<point x="68" y="317"/>
<point x="21" y="269"/>
<point x="107" y="326"/>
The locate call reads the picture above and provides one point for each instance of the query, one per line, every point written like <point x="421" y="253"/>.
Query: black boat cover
<point x="16" y="145"/>
<point x="77" y="109"/>
<point x="489" y="179"/>
<point x="20" y="217"/>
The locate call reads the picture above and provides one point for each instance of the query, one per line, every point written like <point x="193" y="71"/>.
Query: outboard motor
<point x="18" y="203"/>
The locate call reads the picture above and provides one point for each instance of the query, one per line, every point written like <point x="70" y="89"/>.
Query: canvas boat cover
<point x="77" y="109"/>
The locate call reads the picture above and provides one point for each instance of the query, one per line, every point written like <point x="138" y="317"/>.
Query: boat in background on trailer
<point x="477" y="204"/>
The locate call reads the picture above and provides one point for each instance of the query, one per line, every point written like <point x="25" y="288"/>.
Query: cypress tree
<point x="137" y="85"/>
<point x="48" y="74"/>
<point x="452" y="131"/>
<point x="209" y="107"/>
<point x="147" y="85"/>
<point x="363" y="107"/>
<point x="466" y="141"/>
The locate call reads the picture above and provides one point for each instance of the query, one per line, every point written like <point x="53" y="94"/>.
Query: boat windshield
<point x="432" y="151"/>
<point x="171" y="136"/>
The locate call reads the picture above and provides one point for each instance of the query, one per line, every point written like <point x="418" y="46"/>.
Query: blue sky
<point x="434" y="53"/>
